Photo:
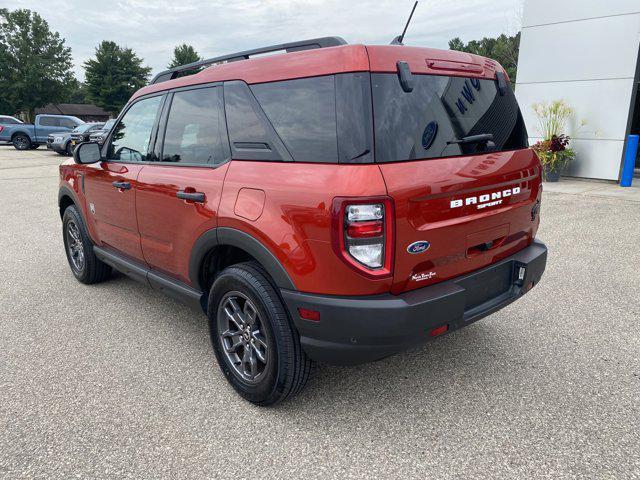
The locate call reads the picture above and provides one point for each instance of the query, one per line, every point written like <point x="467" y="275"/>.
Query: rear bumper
<point x="355" y="330"/>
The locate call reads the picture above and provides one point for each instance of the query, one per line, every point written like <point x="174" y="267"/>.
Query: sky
<point x="153" y="28"/>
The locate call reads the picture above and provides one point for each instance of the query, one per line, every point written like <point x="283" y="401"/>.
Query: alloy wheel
<point x="75" y="246"/>
<point x="241" y="333"/>
<point x="21" y="142"/>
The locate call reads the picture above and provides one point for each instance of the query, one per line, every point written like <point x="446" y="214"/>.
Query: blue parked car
<point x="25" y="136"/>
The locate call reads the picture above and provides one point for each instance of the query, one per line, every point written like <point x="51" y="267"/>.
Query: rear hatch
<point x="453" y="153"/>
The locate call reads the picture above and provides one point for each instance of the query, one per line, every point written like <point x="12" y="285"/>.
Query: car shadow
<point x="456" y="364"/>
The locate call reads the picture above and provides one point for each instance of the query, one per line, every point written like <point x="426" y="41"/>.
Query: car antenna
<point x="398" y="40"/>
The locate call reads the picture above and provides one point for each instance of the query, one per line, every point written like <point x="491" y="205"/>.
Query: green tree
<point x="35" y="64"/>
<point x="182" y="55"/>
<point x="78" y="93"/>
<point x="113" y="76"/>
<point x="504" y="49"/>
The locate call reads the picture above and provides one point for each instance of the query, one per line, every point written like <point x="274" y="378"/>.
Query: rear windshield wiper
<point x="482" y="138"/>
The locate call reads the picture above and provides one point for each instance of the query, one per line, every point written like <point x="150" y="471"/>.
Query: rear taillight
<point x="363" y="234"/>
<point x="1" y="128"/>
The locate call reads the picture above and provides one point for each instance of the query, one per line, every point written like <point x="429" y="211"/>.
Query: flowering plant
<point x="553" y="150"/>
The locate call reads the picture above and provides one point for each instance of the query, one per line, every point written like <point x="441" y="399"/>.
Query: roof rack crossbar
<point x="234" y="57"/>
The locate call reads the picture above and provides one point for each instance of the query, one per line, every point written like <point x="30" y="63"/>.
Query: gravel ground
<point x="118" y="381"/>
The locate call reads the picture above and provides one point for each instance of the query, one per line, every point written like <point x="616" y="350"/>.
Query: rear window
<point x="426" y="122"/>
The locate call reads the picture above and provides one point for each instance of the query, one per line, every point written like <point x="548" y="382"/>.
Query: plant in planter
<point x="553" y="150"/>
<point x="554" y="155"/>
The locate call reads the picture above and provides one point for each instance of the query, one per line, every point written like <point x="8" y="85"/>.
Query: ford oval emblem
<point x="429" y="134"/>
<point x="418" y="247"/>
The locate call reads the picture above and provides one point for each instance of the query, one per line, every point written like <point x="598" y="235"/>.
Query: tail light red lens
<point x="1" y="128"/>
<point x="370" y="229"/>
<point x="363" y="234"/>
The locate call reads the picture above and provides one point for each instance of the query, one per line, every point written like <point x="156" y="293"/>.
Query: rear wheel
<point x="85" y="266"/>
<point x="254" y="341"/>
<point x="21" y="142"/>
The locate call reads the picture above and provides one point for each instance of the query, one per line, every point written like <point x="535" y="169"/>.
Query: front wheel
<point x="86" y="267"/>
<point x="254" y="341"/>
<point x="69" y="149"/>
<point x="21" y="142"/>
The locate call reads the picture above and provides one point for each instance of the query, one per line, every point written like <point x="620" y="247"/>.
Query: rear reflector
<point x="307" y="314"/>
<point x="439" y="330"/>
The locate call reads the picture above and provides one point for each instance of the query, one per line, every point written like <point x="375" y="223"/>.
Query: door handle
<point x="191" y="196"/>
<point x="122" y="185"/>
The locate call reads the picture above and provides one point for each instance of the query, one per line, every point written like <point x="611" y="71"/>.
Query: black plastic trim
<point x="354" y="330"/>
<point x="405" y="76"/>
<point x="157" y="281"/>
<point x="236" y="238"/>
<point x="66" y="191"/>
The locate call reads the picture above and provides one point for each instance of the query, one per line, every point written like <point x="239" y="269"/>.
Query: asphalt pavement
<point x="119" y="381"/>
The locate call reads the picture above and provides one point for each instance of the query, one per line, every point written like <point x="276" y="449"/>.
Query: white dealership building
<point x="587" y="53"/>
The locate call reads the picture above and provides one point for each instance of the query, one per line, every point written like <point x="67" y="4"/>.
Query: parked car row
<point x="64" y="142"/>
<point x="61" y="133"/>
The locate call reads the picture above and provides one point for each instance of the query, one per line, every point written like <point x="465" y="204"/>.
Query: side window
<point x="67" y="123"/>
<point x="251" y="135"/>
<point x="195" y="132"/>
<point x="132" y="134"/>
<point x="303" y="113"/>
<point x="354" y="118"/>
<point x="50" y="122"/>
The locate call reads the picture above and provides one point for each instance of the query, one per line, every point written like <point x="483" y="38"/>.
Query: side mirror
<point x="87" y="152"/>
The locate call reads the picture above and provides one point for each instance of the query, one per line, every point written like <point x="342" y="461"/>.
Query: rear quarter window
<point x="325" y="119"/>
<point x="303" y="113"/>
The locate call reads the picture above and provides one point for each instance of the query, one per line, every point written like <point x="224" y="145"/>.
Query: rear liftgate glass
<point x="443" y="116"/>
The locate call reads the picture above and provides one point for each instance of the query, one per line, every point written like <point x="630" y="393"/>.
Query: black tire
<point x="91" y="269"/>
<point x="68" y="150"/>
<point x="287" y="368"/>
<point x="21" y="142"/>
<point x="63" y="153"/>
<point x="34" y="146"/>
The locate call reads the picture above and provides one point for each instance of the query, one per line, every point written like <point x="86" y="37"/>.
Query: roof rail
<point x="233" y="57"/>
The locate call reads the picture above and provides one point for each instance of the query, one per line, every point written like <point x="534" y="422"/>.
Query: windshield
<point x="434" y="119"/>
<point x="109" y="124"/>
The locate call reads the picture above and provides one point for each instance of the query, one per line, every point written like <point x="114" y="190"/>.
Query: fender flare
<point x="65" y="191"/>
<point x="236" y="238"/>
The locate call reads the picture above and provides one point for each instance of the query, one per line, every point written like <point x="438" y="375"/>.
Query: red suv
<point x="333" y="203"/>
